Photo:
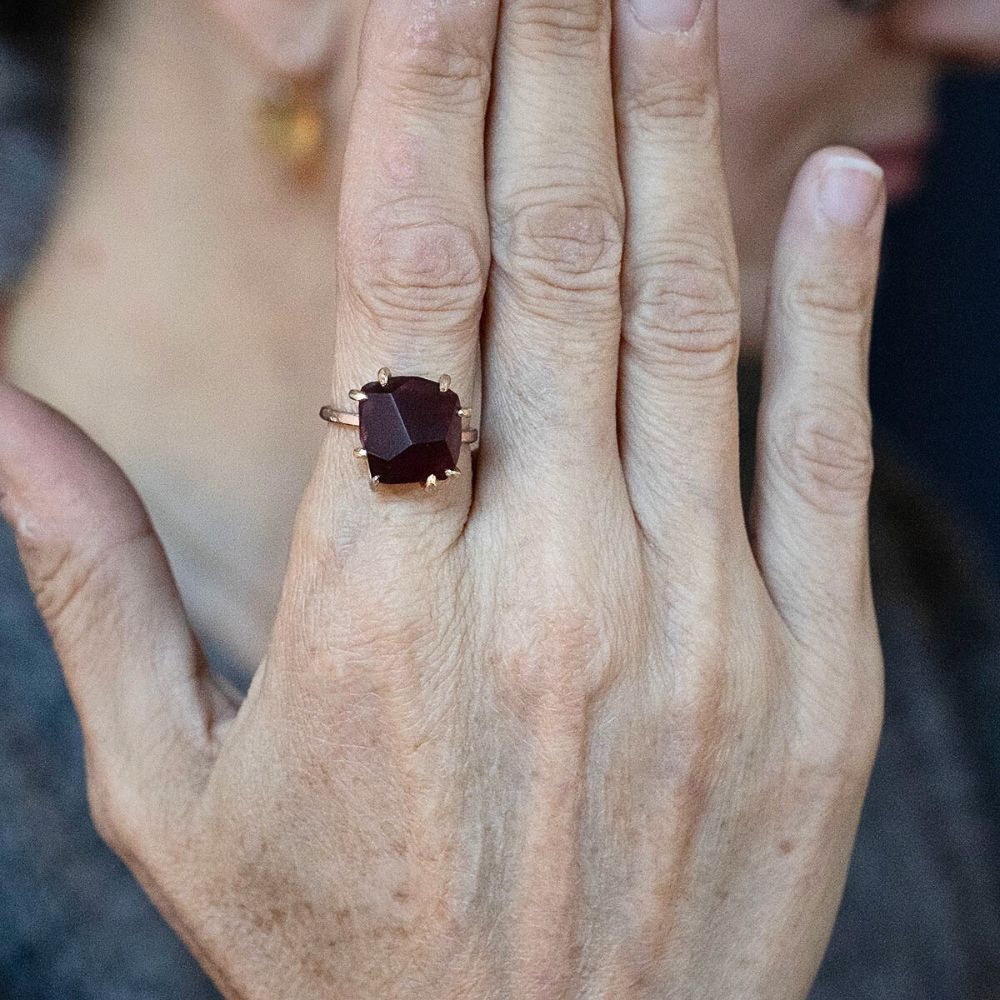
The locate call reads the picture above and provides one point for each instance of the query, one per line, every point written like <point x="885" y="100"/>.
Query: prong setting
<point x="412" y="429"/>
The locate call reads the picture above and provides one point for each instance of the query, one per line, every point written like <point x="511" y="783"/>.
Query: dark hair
<point x="34" y="61"/>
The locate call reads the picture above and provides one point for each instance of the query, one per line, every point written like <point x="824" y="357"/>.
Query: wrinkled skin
<point x="560" y="729"/>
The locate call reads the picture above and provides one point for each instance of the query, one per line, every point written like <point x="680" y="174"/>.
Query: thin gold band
<point x="333" y="416"/>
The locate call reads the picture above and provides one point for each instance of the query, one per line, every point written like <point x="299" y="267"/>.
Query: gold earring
<point x="291" y="123"/>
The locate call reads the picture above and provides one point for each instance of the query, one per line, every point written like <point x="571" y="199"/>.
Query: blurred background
<point x="935" y="388"/>
<point x="936" y="351"/>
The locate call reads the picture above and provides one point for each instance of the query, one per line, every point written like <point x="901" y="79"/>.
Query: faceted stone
<point x="410" y="429"/>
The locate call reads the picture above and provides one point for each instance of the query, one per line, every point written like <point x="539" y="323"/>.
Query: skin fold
<point x="568" y="727"/>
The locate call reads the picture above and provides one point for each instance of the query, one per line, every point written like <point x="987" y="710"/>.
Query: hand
<point x="579" y="737"/>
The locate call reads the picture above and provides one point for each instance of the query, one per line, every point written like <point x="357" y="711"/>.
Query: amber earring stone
<point x="292" y="125"/>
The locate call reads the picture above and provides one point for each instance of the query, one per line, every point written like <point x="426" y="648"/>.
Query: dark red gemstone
<point x="410" y="429"/>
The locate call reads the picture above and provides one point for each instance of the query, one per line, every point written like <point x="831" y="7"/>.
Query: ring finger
<point x="680" y="282"/>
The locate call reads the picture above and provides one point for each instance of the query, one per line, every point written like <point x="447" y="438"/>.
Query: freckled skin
<point x="560" y="731"/>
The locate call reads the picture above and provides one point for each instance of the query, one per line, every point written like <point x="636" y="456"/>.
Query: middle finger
<point x="553" y="309"/>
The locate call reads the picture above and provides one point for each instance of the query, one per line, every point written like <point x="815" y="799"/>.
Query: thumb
<point x="148" y="709"/>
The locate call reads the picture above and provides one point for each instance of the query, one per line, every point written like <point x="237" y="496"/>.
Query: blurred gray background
<point x="936" y="351"/>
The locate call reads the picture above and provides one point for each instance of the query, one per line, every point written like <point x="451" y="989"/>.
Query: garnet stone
<point x="410" y="429"/>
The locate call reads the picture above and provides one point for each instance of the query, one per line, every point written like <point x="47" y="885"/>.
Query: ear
<point x="293" y="38"/>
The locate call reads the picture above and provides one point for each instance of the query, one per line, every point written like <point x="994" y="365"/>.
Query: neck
<point x="182" y="308"/>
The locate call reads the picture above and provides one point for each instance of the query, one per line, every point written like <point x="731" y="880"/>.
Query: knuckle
<point x="568" y="654"/>
<point x="406" y="274"/>
<point x="541" y="28"/>
<point x="562" y="246"/>
<point x="562" y="646"/>
<point x="699" y="697"/>
<point x="682" y="108"/>
<point x="122" y="818"/>
<point x="435" y="67"/>
<point x="835" y="304"/>
<point x="860" y="736"/>
<point x="840" y="735"/>
<point x="827" y="454"/>
<point x="683" y="313"/>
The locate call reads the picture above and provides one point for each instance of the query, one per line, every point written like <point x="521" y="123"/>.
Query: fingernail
<point x="666" y="15"/>
<point x="850" y="190"/>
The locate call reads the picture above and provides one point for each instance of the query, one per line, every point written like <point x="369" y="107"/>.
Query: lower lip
<point x="904" y="164"/>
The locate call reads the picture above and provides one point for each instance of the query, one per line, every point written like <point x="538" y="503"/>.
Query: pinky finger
<point x="810" y="511"/>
